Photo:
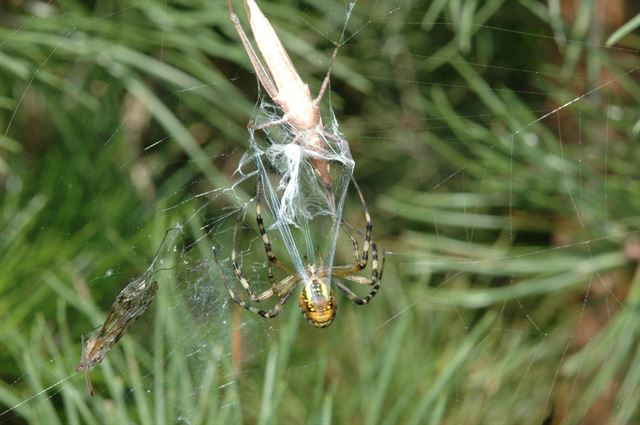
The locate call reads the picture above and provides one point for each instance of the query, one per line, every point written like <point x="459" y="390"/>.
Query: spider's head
<point x="318" y="303"/>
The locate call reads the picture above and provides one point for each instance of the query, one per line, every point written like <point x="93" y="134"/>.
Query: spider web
<point x="508" y="299"/>
<point x="306" y="214"/>
<point x="287" y="162"/>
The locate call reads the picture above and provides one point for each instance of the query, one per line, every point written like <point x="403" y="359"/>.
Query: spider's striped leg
<point x="373" y="281"/>
<point x="360" y="261"/>
<point x="276" y="289"/>
<point x="362" y="264"/>
<point x="269" y="314"/>
<point x="345" y="272"/>
<point x="265" y="239"/>
<point x="354" y="241"/>
<point x="283" y="289"/>
<point x="243" y="280"/>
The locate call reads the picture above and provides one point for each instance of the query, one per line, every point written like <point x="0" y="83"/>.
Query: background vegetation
<point x="511" y="294"/>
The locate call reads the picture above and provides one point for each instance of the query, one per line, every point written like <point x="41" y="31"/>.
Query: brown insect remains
<point x="129" y="305"/>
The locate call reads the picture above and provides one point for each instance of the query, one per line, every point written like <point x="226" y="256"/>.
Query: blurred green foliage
<point x="511" y="292"/>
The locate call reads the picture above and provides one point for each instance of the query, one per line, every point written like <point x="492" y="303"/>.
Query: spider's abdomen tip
<point x="321" y="320"/>
<point x="319" y="312"/>
<point x="322" y="324"/>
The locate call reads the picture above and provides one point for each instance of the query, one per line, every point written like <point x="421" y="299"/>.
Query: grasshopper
<point x="285" y="87"/>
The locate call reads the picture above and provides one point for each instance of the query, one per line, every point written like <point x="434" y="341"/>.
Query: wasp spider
<point x="317" y="300"/>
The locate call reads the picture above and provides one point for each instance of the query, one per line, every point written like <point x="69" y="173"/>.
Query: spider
<point x="317" y="300"/>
